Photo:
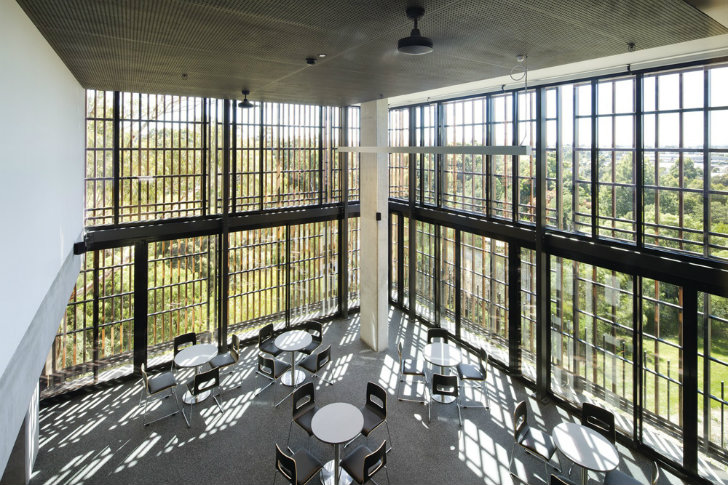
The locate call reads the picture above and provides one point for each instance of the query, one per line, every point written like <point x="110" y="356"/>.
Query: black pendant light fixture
<point x="415" y="44"/>
<point x="245" y="103"/>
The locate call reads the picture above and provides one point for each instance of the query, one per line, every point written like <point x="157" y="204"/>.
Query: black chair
<point x="316" y="329"/>
<point x="271" y="369"/>
<point x="304" y="407"/>
<point x="616" y="477"/>
<point x="181" y="342"/>
<point x="560" y="480"/>
<point x="315" y="363"/>
<point x="479" y="373"/>
<point x="445" y="387"/>
<point x="535" y="442"/>
<point x="438" y="333"/>
<point x="229" y="358"/>
<point x="266" y="341"/>
<point x="374" y="412"/>
<point x="362" y="463"/>
<point x="298" y="469"/>
<point x="600" y="420"/>
<point x="407" y="367"/>
<point x="152" y="387"/>
<point x="201" y="383"/>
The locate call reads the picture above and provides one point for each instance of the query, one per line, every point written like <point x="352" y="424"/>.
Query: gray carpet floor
<point x="99" y="437"/>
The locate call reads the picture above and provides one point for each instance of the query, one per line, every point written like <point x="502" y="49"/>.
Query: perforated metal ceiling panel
<point x="225" y="45"/>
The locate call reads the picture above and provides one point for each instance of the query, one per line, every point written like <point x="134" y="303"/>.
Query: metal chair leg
<point x="389" y="435"/>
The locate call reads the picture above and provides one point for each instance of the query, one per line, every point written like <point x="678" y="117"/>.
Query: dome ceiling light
<point x="245" y="103"/>
<point x="415" y="44"/>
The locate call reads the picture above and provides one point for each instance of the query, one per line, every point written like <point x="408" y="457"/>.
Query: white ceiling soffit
<point x="694" y="50"/>
<point x="718" y="9"/>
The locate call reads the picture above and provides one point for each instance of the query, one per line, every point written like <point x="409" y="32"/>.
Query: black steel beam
<point x="205" y="150"/>
<point x="116" y="236"/>
<point x="412" y="223"/>
<point x="690" y="380"/>
<point x="95" y="317"/>
<point x="458" y="285"/>
<point x="344" y="222"/>
<point x="141" y="263"/>
<point x="116" y="144"/>
<point x="514" y="305"/>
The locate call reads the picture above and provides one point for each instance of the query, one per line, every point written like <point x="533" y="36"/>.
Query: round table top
<point x="293" y="340"/>
<point x="337" y="423"/>
<point x="585" y="447"/>
<point x="442" y="354"/>
<point x="195" y="355"/>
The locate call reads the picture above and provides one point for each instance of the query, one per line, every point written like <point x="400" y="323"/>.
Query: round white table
<point x="292" y="341"/>
<point x="195" y="356"/>
<point x="335" y="424"/>
<point x="442" y="355"/>
<point x="586" y="448"/>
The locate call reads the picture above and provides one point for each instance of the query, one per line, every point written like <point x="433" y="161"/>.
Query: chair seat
<point x="304" y="418"/>
<point x="538" y="442"/>
<point x="309" y="363"/>
<point x="306" y="466"/>
<point x="409" y="368"/>
<point x="354" y="463"/>
<point x="222" y="360"/>
<point x="160" y="382"/>
<point x="470" y="372"/>
<point x="616" y="477"/>
<point x="310" y="348"/>
<point x="269" y="347"/>
<point x="372" y="419"/>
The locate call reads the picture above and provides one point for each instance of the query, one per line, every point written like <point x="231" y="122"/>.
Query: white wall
<point x="41" y="205"/>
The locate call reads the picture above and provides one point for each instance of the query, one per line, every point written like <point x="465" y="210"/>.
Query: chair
<point x="298" y="469"/>
<point x="271" y="369"/>
<point x="616" y="477"/>
<point x="229" y="358"/>
<point x="181" y="342"/>
<point x="266" y="343"/>
<point x="600" y="420"/>
<point x="362" y="463"/>
<point x="479" y="373"/>
<point x="560" y="480"/>
<point x="316" y="329"/>
<point x="374" y="412"/>
<point x="536" y="443"/>
<point x="438" y="333"/>
<point x="155" y="385"/>
<point x="444" y="386"/>
<point x="304" y="407"/>
<point x="201" y="383"/>
<point x="315" y="363"/>
<point x="407" y="367"/>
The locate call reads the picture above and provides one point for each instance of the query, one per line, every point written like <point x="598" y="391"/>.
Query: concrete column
<point x="22" y="457"/>
<point x="374" y="190"/>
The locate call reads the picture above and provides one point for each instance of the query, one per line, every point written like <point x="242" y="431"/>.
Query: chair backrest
<point x="600" y="420"/>
<point x="145" y="377"/>
<point x="314" y="328"/>
<point x="483" y="362"/>
<point x="445" y="385"/>
<point x="266" y="366"/>
<point x="376" y="399"/>
<point x="520" y="420"/>
<point x="374" y="461"/>
<point x="303" y="398"/>
<point x="439" y="333"/>
<point x="556" y="480"/>
<point x="206" y="381"/>
<point x="265" y="333"/>
<point x="184" y="340"/>
<point x="323" y="358"/>
<point x="655" y="473"/>
<point x="286" y="465"/>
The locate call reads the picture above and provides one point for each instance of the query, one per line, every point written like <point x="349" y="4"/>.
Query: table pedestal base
<point x="444" y="399"/>
<point x="327" y="475"/>
<point x="190" y="399"/>
<point x="287" y="381"/>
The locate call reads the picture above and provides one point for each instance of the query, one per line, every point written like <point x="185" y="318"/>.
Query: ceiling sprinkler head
<point x="310" y="61"/>
<point x="521" y="57"/>
<point x="631" y="47"/>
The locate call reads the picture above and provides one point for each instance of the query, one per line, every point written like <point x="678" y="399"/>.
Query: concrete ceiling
<point x="224" y="46"/>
